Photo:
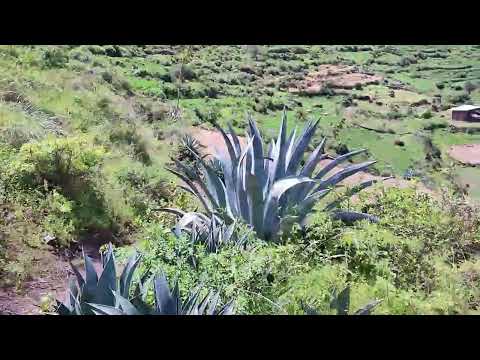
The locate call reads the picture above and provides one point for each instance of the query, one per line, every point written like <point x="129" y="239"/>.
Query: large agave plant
<point x="108" y="295"/>
<point x="269" y="188"/>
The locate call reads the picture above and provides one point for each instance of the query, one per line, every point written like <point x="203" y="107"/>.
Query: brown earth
<point x="212" y="141"/>
<point x="336" y="76"/>
<point x="468" y="154"/>
<point x="50" y="280"/>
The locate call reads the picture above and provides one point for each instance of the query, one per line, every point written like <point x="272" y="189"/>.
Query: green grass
<point x="470" y="176"/>
<point x="382" y="148"/>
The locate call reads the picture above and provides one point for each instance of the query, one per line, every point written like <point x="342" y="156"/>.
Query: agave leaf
<point x="127" y="275"/>
<point x="352" y="191"/>
<point x="229" y="232"/>
<point x="337" y="162"/>
<point x="367" y="309"/>
<point x="203" y="304"/>
<point x="228" y="309"/>
<point x="315" y="157"/>
<point x="91" y="279"/>
<point x="213" y="304"/>
<point x="62" y="309"/>
<point x="290" y="149"/>
<point x="176" y="297"/>
<point x="188" y="219"/>
<point x="187" y="189"/>
<point x="173" y="211"/>
<point x="309" y="202"/>
<point x="99" y="309"/>
<point x="281" y="150"/>
<point x="257" y="148"/>
<point x="231" y="150"/>
<point x="236" y="142"/>
<point x="301" y="147"/>
<point x="80" y="279"/>
<point x="255" y="203"/>
<point x="190" y="307"/>
<point x="343" y="174"/>
<point x="215" y="186"/>
<point x="270" y="216"/>
<point x="193" y="187"/>
<point x="126" y="306"/>
<point x="341" y="302"/>
<point x="107" y="283"/>
<point x="72" y="294"/>
<point x="229" y="180"/>
<point x="140" y="292"/>
<point x="164" y="301"/>
<point x="240" y="185"/>
<point x="109" y="253"/>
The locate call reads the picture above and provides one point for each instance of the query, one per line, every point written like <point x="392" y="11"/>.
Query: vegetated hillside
<point x="86" y="133"/>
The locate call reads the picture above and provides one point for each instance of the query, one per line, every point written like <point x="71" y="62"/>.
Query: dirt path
<point x="212" y="141"/>
<point x="50" y="282"/>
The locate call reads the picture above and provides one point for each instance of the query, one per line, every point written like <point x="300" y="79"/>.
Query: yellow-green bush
<point x="64" y="162"/>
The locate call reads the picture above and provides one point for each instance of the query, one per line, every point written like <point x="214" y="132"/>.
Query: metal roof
<point x="465" y="108"/>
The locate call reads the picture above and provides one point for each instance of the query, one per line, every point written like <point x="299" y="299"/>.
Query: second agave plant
<point x="266" y="186"/>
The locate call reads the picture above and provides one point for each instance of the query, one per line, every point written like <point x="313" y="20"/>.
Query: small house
<point x="466" y="113"/>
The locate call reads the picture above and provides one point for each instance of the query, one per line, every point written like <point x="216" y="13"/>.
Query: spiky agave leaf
<point x="213" y="233"/>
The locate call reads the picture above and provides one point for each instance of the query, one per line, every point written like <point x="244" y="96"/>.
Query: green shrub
<point x="252" y="276"/>
<point x="59" y="221"/>
<point x="96" y="49"/>
<point x="81" y="54"/>
<point x="446" y="226"/>
<point x="127" y="134"/>
<point x="64" y="162"/>
<point x="60" y="179"/>
<point x="314" y="289"/>
<point x="54" y="57"/>
<point x="182" y="72"/>
<point x="427" y="115"/>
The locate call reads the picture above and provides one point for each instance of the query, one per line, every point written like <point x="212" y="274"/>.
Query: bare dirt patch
<point x="51" y="278"/>
<point x="212" y="141"/>
<point x="334" y="76"/>
<point x="468" y="154"/>
<point x="51" y="281"/>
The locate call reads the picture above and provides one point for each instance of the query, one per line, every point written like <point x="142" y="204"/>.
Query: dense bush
<point x="127" y="133"/>
<point x="54" y="57"/>
<point x="60" y="177"/>
<point x="63" y="162"/>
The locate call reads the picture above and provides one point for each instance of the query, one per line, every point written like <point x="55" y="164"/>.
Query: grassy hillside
<point x="86" y="133"/>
